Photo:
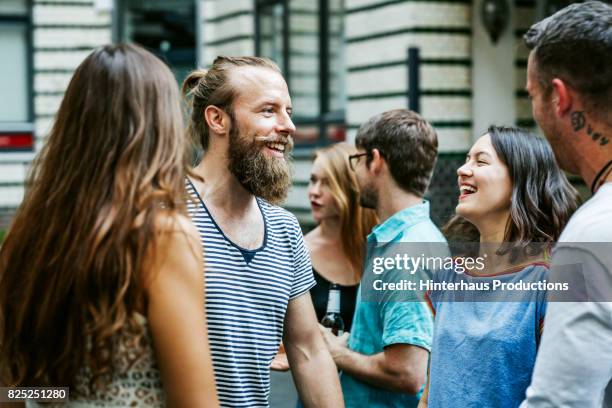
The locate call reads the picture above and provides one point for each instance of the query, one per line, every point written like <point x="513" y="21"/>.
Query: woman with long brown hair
<point x="337" y="244"/>
<point x="101" y="281"/>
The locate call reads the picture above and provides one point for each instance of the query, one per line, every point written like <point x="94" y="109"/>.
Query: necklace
<point x="599" y="175"/>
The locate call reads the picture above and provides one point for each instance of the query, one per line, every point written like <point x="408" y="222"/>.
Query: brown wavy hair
<point x="70" y="267"/>
<point x="356" y="222"/>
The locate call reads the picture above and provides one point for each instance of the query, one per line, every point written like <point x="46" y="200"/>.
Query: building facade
<point x="344" y="60"/>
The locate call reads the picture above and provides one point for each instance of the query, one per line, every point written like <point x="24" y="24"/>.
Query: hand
<point x="337" y="345"/>
<point x="280" y="362"/>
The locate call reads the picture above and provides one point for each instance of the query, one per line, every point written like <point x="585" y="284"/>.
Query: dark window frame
<point x="25" y="127"/>
<point x="26" y="21"/>
<point x="325" y="117"/>
<point x="118" y="28"/>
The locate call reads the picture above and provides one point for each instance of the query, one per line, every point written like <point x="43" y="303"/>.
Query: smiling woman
<point x="511" y="190"/>
<point x="512" y="194"/>
<point x="485" y="186"/>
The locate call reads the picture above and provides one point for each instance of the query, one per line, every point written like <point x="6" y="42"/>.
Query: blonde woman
<point x="337" y="243"/>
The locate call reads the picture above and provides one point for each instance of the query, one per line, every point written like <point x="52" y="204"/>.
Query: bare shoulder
<point x="176" y="248"/>
<point x="172" y="223"/>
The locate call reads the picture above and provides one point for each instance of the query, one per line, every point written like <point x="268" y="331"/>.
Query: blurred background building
<point x="344" y="60"/>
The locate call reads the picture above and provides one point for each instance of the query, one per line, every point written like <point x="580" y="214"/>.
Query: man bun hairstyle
<point x="203" y="88"/>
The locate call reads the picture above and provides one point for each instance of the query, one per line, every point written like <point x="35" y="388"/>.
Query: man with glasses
<point x="354" y="159"/>
<point x="384" y="359"/>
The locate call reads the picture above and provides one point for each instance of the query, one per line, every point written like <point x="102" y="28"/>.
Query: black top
<point x="348" y="297"/>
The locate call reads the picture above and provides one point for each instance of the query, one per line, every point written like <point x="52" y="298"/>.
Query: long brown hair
<point x="70" y="268"/>
<point x="356" y="222"/>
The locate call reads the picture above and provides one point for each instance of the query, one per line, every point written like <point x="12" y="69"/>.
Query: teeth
<point x="276" y="146"/>
<point x="467" y="189"/>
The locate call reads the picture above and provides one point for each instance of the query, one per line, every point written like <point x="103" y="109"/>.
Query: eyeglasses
<point x="354" y="159"/>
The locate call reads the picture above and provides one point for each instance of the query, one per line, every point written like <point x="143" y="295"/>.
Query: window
<point x="16" y="107"/>
<point x="305" y="38"/>
<point x="167" y="29"/>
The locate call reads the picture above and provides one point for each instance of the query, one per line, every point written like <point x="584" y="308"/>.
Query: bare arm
<point x="312" y="367"/>
<point x="424" y="401"/>
<point x="176" y="314"/>
<point x="400" y="367"/>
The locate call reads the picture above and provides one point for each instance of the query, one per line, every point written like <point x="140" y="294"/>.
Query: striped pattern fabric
<point x="247" y="292"/>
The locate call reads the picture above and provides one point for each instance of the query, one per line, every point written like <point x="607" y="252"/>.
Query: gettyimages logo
<point x="411" y="264"/>
<point x="483" y="272"/>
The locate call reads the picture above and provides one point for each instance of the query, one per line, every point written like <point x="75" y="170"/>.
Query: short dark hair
<point x="575" y="45"/>
<point x="542" y="200"/>
<point x="407" y="142"/>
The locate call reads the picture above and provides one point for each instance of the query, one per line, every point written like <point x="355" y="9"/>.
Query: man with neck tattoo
<point x="258" y="271"/>
<point x="569" y="79"/>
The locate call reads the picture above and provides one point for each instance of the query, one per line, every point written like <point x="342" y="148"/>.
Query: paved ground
<point x="282" y="394"/>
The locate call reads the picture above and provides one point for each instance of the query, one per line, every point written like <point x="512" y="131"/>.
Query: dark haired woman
<point x="514" y="201"/>
<point x="101" y="283"/>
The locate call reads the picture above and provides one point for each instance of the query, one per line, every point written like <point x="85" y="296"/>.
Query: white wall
<point x="493" y="75"/>
<point x="377" y="77"/>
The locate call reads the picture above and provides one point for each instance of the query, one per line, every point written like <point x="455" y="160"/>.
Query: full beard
<point x="262" y="176"/>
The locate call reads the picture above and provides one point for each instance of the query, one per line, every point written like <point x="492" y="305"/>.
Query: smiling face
<point x="320" y="195"/>
<point x="260" y="139"/>
<point x="484" y="184"/>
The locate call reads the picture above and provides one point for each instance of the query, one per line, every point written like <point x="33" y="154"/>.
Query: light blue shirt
<point x="485" y="342"/>
<point x="379" y="324"/>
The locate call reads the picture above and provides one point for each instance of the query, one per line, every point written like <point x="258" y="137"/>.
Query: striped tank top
<point x="247" y="292"/>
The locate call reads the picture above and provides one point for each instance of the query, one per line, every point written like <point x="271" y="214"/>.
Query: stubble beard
<point x="368" y="197"/>
<point x="558" y="142"/>
<point x="261" y="175"/>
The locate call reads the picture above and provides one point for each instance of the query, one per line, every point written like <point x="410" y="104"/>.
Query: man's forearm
<point x="316" y="379"/>
<point x="424" y="402"/>
<point x="373" y="370"/>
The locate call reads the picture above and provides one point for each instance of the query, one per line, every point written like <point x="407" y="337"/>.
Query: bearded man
<point x="257" y="269"/>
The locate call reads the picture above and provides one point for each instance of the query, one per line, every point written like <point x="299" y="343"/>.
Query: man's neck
<point x="220" y="186"/>
<point x="591" y="155"/>
<point x="393" y="200"/>
<point x="597" y="173"/>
